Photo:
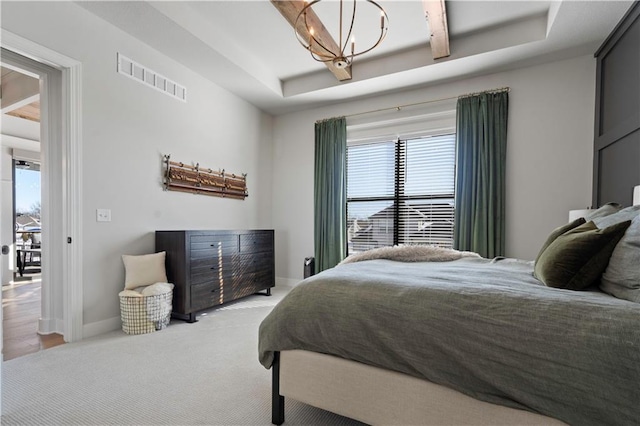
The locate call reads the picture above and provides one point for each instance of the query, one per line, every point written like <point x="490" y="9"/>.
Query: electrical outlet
<point x="103" y="215"/>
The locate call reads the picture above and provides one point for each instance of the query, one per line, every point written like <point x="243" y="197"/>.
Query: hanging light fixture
<point x="321" y="50"/>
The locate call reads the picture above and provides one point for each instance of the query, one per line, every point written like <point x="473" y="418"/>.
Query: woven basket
<point x="147" y="314"/>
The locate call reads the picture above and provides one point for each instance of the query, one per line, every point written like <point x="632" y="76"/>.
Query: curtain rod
<point x="500" y="90"/>
<point x="399" y="107"/>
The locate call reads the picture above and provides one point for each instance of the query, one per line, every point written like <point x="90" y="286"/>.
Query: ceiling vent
<point x="151" y="78"/>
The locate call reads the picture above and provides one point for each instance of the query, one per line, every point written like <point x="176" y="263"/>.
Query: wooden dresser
<point x="209" y="268"/>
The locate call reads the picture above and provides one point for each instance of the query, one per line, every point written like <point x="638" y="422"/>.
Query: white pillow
<point x="628" y="213"/>
<point x="622" y="276"/>
<point x="602" y="211"/>
<point x="156" y="289"/>
<point x="144" y="270"/>
<point x="130" y="293"/>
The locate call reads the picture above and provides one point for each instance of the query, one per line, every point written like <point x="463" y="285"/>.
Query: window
<point x="401" y="192"/>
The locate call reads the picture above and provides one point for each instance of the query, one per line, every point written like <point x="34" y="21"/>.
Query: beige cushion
<point x="144" y="270"/>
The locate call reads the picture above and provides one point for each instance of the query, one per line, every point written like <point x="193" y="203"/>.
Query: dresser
<point x="209" y="268"/>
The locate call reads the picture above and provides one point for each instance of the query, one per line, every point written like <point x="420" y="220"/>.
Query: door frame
<point x="63" y="142"/>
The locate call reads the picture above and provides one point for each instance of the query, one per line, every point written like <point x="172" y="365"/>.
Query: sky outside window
<point x="27" y="189"/>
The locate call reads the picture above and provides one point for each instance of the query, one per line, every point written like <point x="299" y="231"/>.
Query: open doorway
<point x="61" y="118"/>
<point x="22" y="225"/>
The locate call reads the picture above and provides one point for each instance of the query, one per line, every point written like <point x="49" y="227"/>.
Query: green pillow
<point x="577" y="258"/>
<point x="559" y="231"/>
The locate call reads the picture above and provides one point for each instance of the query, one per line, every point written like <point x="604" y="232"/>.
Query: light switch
<point x="103" y="215"/>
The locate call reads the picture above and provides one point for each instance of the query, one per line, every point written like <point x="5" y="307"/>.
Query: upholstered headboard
<point x="616" y="156"/>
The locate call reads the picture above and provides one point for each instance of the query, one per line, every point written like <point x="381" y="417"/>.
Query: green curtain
<point x="330" y="193"/>
<point x="481" y="154"/>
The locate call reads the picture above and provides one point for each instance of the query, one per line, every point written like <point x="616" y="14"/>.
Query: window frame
<point x="400" y="168"/>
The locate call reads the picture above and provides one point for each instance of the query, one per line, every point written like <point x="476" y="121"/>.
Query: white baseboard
<point x="50" y="326"/>
<point x="287" y="282"/>
<point x="100" y="327"/>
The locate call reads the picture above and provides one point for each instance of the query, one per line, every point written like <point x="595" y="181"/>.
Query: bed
<point x="423" y="335"/>
<point x="388" y="342"/>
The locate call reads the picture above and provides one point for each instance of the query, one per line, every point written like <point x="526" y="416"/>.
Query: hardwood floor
<point x="21" y="310"/>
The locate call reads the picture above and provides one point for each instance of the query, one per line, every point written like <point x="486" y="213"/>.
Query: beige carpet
<point x="205" y="373"/>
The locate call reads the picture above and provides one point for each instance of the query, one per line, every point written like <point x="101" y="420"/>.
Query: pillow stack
<point x="603" y="247"/>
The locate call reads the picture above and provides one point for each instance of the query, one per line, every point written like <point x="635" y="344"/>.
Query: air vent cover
<point x="150" y="78"/>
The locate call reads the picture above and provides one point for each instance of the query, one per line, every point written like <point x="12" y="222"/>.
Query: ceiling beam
<point x="436" y="15"/>
<point x="290" y="10"/>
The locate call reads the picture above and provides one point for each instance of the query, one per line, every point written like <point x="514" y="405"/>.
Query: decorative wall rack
<point x="198" y="180"/>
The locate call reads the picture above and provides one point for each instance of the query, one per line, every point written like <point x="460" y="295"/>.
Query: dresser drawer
<point x="255" y="243"/>
<point x="259" y="279"/>
<point x="202" y="275"/>
<point x="250" y="262"/>
<point x="223" y="243"/>
<point x="212" y="263"/>
<point x="204" y="296"/>
<point x="250" y="283"/>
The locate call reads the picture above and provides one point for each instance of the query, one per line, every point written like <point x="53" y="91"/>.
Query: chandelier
<point x="323" y="50"/>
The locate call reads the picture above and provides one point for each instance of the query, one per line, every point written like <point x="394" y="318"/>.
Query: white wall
<point x="126" y="129"/>
<point x="6" y="222"/>
<point x="549" y="155"/>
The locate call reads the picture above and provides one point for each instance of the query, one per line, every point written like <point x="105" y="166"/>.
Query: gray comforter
<point x="488" y="329"/>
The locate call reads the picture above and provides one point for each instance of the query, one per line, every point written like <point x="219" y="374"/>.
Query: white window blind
<point x="401" y="192"/>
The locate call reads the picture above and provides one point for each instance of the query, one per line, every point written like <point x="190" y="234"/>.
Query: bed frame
<point x="376" y="396"/>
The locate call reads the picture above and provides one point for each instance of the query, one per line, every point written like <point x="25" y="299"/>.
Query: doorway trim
<point x="65" y="134"/>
